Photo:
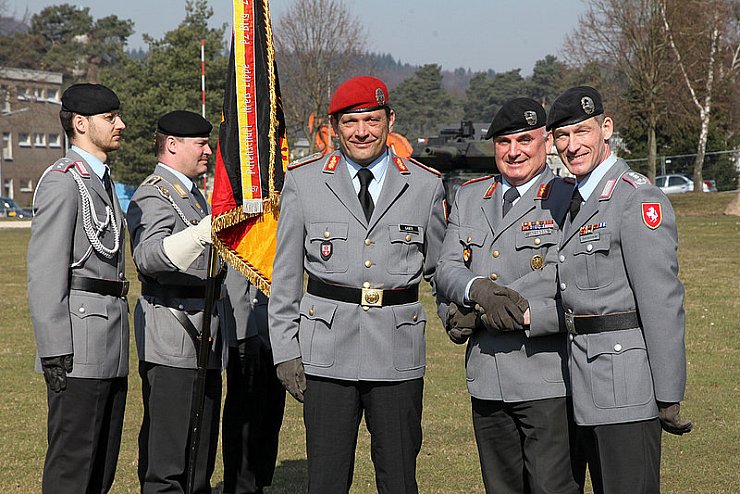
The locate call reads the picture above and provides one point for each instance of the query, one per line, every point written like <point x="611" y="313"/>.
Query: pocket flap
<point x="327" y="231"/>
<point x="408" y="314"/>
<point x="318" y="309"/>
<point x="614" y="342"/>
<point x="600" y="244"/>
<point x="87" y="305"/>
<point x="407" y="234"/>
<point x="472" y="236"/>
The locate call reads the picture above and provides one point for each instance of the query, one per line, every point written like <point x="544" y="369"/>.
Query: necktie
<point x="199" y="198"/>
<point x="108" y="185"/>
<point x="575" y="203"/>
<point x="366" y="200"/>
<point x="510" y="196"/>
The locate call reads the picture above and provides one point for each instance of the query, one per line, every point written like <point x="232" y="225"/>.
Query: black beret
<point x="575" y="105"/>
<point x="517" y="115"/>
<point x="181" y="123"/>
<point x="89" y="99"/>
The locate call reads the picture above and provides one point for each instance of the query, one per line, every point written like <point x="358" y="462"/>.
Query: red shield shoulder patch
<point x="652" y="214"/>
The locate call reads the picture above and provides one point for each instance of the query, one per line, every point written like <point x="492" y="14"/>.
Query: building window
<point x="24" y="140"/>
<point x="21" y="93"/>
<point x="8" y="188"/>
<point x="55" y="141"/>
<point x="38" y="93"/>
<point x="26" y="186"/>
<point x="39" y="140"/>
<point x="4" y="99"/>
<point x="7" y="146"/>
<point x="52" y="95"/>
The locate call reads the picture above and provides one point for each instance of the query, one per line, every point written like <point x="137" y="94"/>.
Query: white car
<point x="678" y="184"/>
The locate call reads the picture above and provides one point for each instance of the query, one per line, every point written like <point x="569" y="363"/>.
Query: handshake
<point x="497" y="308"/>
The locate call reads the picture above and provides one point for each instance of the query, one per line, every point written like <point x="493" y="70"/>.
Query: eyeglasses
<point x="110" y="117"/>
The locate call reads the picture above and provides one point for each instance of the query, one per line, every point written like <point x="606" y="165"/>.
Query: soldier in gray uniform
<point x="366" y="226"/>
<point x="77" y="297"/>
<point x="623" y="303"/>
<point x="255" y="399"/>
<point x="170" y="229"/>
<point x="501" y="231"/>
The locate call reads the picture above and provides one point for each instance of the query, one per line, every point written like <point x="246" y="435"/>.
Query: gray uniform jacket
<point x="245" y="313"/>
<point x="160" y="337"/>
<point x="620" y="255"/>
<point x="398" y="247"/>
<point x="71" y="208"/>
<point x="513" y="251"/>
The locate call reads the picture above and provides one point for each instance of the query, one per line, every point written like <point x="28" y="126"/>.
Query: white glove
<point x="183" y="248"/>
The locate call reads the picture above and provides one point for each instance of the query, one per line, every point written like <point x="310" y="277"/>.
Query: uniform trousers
<point x="85" y="422"/>
<point x="332" y="412"/>
<point x="622" y="458"/>
<point x="524" y="447"/>
<point x="253" y="414"/>
<point x="164" y="438"/>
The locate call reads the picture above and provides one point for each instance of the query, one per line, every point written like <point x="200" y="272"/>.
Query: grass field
<point x="705" y="461"/>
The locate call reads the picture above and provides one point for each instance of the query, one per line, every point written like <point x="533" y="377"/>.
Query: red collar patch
<point x="543" y="192"/>
<point x="652" y="215"/>
<point x="401" y="165"/>
<point x="608" y="189"/>
<point x="331" y="164"/>
<point x="491" y="190"/>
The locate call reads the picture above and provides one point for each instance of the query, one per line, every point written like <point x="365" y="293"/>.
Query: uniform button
<point x="562" y="286"/>
<point x="365" y="308"/>
<point x="254" y="300"/>
<point x="181" y="307"/>
<point x="366" y="284"/>
<point x="408" y="237"/>
<point x="496" y="253"/>
<point x="571" y="337"/>
<point x="327" y="234"/>
<point x="82" y="310"/>
<point x="414" y="317"/>
<point x="617" y="347"/>
<point x="368" y="241"/>
<point x="537" y="241"/>
<point x="310" y="311"/>
<point x="368" y="263"/>
<point x="121" y="275"/>
<point x="589" y="247"/>
<point x="570" y="311"/>
<point x="469" y="239"/>
<point x="493" y="276"/>
<point x="562" y="258"/>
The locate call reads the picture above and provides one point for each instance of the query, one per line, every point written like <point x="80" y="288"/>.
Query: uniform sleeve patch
<point x="652" y="214"/>
<point x="635" y="179"/>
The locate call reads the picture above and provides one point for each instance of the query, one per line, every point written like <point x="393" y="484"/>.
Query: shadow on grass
<point x="290" y="478"/>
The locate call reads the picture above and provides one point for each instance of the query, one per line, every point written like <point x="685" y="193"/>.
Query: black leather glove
<point x="460" y="323"/>
<point x="670" y="420"/>
<point x="500" y="308"/>
<point x="55" y="371"/>
<point x="291" y="375"/>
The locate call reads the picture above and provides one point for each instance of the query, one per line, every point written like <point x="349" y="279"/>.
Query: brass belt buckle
<point x="372" y="297"/>
<point x="124" y="288"/>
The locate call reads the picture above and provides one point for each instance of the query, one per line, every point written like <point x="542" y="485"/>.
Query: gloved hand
<point x="55" y="371"/>
<point x="291" y="376"/>
<point x="184" y="247"/>
<point x="500" y="308"/>
<point x="460" y="323"/>
<point x="670" y="421"/>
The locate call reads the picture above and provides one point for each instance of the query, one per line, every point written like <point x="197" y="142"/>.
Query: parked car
<point x="678" y="184"/>
<point x="10" y="209"/>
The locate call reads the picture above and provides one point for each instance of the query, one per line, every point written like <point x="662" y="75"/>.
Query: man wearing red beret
<point x="366" y="226"/>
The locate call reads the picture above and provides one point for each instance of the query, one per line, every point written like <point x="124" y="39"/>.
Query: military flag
<point x="252" y="149"/>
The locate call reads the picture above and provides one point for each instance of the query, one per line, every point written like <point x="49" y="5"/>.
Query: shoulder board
<point x="635" y="179"/>
<point x="491" y="190"/>
<point x="305" y="160"/>
<point x="543" y="192"/>
<point x="475" y="180"/>
<point x="331" y="164"/>
<point x="606" y="194"/>
<point x="151" y="180"/>
<point x="419" y="164"/>
<point x="64" y="165"/>
<point x="569" y="180"/>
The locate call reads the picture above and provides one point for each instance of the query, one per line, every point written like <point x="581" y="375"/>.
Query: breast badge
<point x="327" y="249"/>
<point x="537" y="262"/>
<point x="467" y="255"/>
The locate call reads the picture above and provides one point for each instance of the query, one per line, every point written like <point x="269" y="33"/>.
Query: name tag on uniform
<point x="589" y="237"/>
<point x="408" y="228"/>
<point x="537" y="233"/>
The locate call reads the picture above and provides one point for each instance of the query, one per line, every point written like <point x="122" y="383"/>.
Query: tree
<point x="705" y="41"/>
<point x="167" y="79"/>
<point x="546" y="82"/>
<point x="421" y="102"/>
<point x="318" y="43"/>
<point x="629" y="35"/>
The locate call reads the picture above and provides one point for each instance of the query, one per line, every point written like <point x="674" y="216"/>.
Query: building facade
<point x="32" y="137"/>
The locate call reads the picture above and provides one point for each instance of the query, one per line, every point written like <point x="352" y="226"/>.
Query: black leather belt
<point x="601" y="324"/>
<point x="113" y="288"/>
<point x="371" y="297"/>
<point x="172" y="291"/>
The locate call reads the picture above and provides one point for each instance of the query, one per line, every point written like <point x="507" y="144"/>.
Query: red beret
<point x="359" y="94"/>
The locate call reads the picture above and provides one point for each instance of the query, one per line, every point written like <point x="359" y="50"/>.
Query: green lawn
<point x="705" y="461"/>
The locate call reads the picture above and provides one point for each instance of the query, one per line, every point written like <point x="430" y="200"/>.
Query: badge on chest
<point x="327" y="249"/>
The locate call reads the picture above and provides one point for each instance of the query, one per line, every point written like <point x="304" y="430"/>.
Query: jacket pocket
<point x="326" y="247"/>
<point x="620" y="370"/>
<point x="409" y="345"/>
<point x="407" y="249"/>
<point x="316" y="336"/>
<point x="594" y="268"/>
<point x="89" y="327"/>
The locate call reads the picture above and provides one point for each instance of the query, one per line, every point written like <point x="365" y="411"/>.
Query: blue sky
<point x="475" y="34"/>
